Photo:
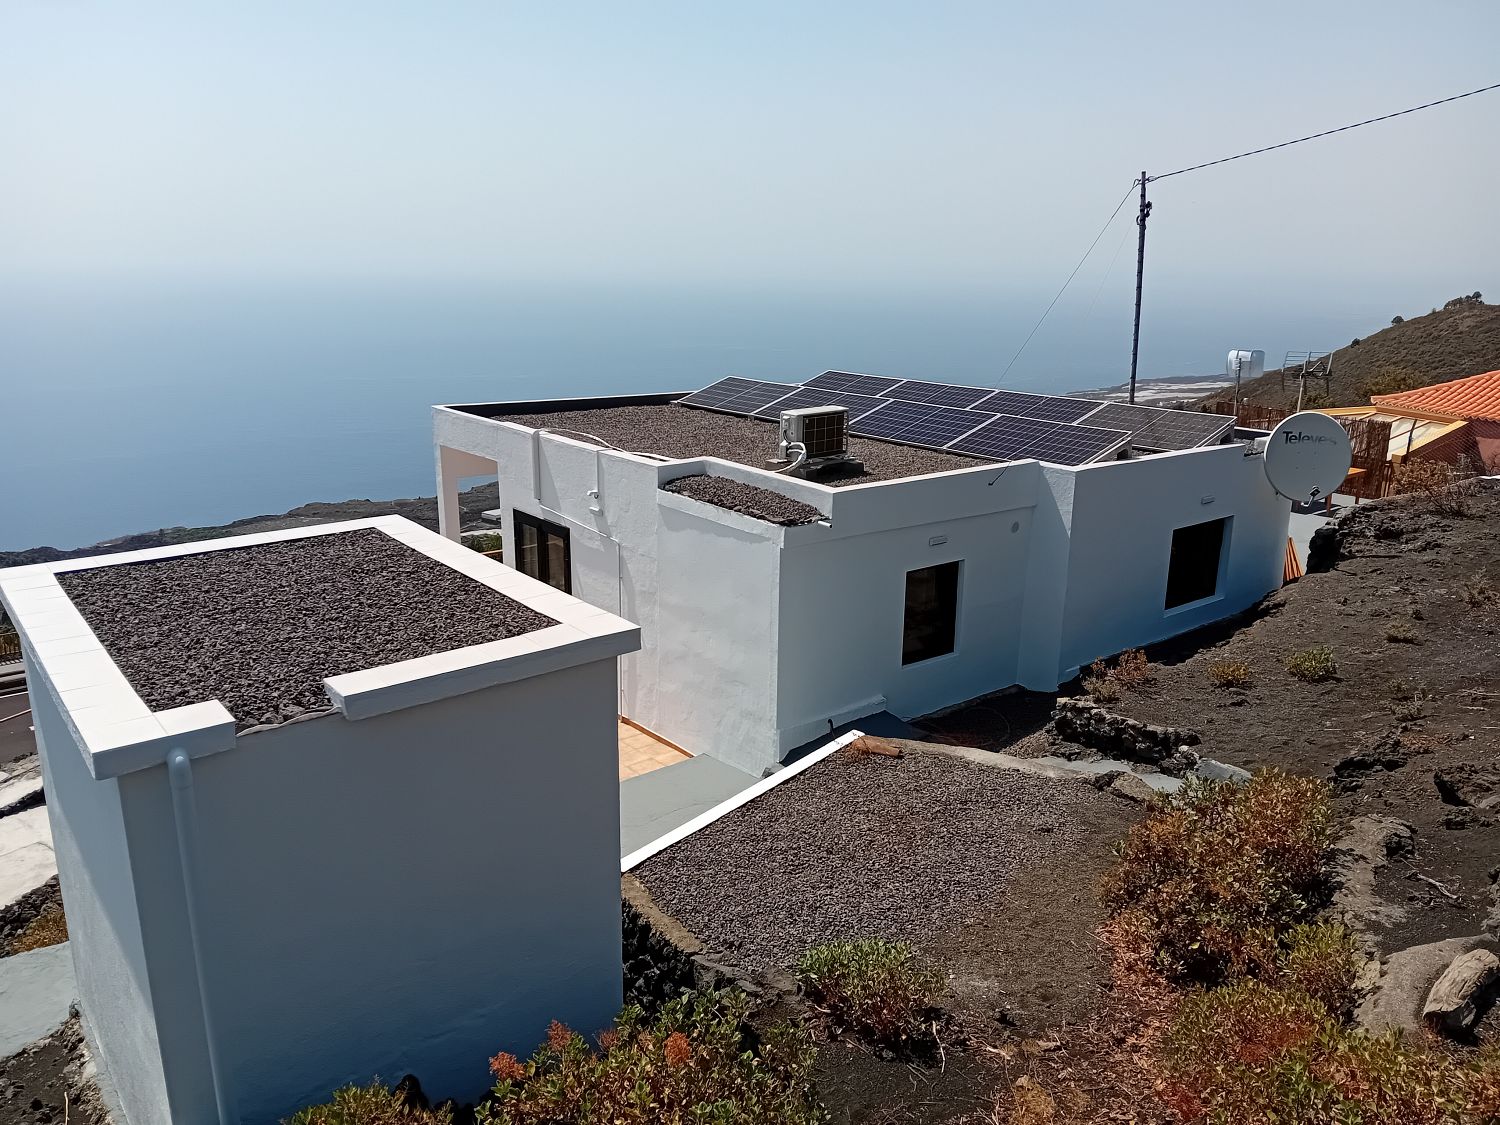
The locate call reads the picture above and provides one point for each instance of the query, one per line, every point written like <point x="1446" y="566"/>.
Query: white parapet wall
<point x="421" y="877"/>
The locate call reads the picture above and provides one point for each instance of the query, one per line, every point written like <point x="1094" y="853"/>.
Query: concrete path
<point x="654" y="803"/>
<point x="36" y="991"/>
<point x="26" y="857"/>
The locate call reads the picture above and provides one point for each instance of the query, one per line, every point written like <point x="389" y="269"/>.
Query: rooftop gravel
<point x="682" y="432"/>
<point x="258" y="628"/>
<point x="747" y="499"/>
<point x="856" y="846"/>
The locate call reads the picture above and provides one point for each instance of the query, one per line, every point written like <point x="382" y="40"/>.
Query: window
<point x="543" y="551"/>
<point x="931" y="612"/>
<point x="1193" y="573"/>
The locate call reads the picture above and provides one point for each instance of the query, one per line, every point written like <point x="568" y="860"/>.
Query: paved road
<point x="16" y="739"/>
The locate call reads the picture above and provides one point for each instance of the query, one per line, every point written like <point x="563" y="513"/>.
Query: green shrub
<point x="691" y="1065"/>
<point x="1229" y="674"/>
<point x="1252" y="1053"/>
<point x="877" y="988"/>
<point x="1321" y="961"/>
<point x="1314" y="665"/>
<point x="485" y="541"/>
<point x="1207" y="883"/>
<point x="368" y="1105"/>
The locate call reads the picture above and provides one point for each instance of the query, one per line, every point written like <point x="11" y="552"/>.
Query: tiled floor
<point x="640" y="753"/>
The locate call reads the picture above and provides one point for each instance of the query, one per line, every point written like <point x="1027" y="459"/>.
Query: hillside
<point x="1463" y="338"/>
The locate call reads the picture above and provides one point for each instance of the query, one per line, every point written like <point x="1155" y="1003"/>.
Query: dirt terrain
<point x="1410" y="725"/>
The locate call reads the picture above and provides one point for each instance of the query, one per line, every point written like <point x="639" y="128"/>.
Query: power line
<point x="1325" y="133"/>
<point x="1065" y="284"/>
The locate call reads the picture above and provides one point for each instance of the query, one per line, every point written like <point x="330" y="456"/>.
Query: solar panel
<point x="1151" y="427"/>
<point x="1071" y="444"/>
<point x="1003" y="437"/>
<point x="938" y="394"/>
<point x="918" y="423"/>
<point x="857" y="405"/>
<point x="737" y="396"/>
<point x="849" y="383"/>
<point x="1008" y="438"/>
<point x="1054" y="408"/>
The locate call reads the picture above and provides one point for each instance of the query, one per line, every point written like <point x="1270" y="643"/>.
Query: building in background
<point x="774" y="609"/>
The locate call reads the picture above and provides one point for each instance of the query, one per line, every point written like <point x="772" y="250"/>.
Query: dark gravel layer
<point x="747" y="499"/>
<point x="682" y="431"/>
<point x="258" y="628"/>
<point x="906" y="848"/>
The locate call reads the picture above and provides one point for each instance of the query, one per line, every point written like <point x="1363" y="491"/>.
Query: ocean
<point x="127" y="407"/>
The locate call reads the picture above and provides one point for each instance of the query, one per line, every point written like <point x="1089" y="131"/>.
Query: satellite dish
<point x="1308" y="456"/>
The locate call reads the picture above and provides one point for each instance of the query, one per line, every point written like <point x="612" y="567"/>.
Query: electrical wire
<point x="1065" y="284"/>
<point x="1324" y="133"/>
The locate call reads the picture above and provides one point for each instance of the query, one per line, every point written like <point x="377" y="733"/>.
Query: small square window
<point x="931" y="624"/>
<point x="1193" y="572"/>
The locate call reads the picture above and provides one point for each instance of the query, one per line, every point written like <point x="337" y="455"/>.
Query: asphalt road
<point x="16" y="740"/>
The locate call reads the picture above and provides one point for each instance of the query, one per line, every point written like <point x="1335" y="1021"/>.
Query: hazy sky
<point x="715" y="142"/>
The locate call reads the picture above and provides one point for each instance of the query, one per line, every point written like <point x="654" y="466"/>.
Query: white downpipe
<point x="185" y="812"/>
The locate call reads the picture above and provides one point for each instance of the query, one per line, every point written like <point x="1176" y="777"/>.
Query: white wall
<point x="1123" y="515"/>
<point x="97" y="872"/>
<point x="715" y="638"/>
<point x="411" y="892"/>
<point x="407" y="893"/>
<point x="1082" y="576"/>
<point x="843" y="609"/>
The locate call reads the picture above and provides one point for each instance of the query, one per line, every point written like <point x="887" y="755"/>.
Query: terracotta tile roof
<point x="1478" y="396"/>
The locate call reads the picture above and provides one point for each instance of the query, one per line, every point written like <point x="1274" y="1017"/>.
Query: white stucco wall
<point x="408" y="893"/>
<point x="97" y="873"/>
<point x="1120" y="543"/>
<point x="422" y="878"/>
<point x="1082" y="575"/>
<point x="842" y="605"/>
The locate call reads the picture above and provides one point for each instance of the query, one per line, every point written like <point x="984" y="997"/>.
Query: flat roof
<point x="683" y="433"/>
<point x="140" y="652"/>
<point x="259" y="628"/>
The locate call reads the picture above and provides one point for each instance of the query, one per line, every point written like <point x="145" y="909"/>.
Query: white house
<point x="327" y="803"/>
<point x="925" y="580"/>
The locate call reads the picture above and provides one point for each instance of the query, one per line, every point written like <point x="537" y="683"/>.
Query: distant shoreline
<point x="423" y="509"/>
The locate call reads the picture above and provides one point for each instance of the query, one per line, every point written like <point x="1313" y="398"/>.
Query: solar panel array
<point x="918" y="423"/>
<point x="978" y="421"/>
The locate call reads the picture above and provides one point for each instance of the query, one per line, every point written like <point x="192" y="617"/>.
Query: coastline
<point x="420" y="509"/>
<point x="423" y="509"/>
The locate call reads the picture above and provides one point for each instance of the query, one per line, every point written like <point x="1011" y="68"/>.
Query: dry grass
<point x="49" y="927"/>
<point x="1478" y="593"/>
<point x="1400" y="633"/>
<point x="1130" y="671"/>
<point x="1226" y="674"/>
<point x="1313" y="665"/>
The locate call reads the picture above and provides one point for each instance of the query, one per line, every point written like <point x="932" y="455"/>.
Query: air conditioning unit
<point x="822" y="430"/>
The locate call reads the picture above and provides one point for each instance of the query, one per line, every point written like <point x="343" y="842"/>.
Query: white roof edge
<point x="745" y="796"/>
<point x="117" y="733"/>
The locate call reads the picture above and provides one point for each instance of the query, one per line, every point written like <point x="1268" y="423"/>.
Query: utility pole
<point x="1140" y="275"/>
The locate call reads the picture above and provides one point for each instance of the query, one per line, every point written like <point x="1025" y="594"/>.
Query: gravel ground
<point x="681" y="432"/>
<point x="908" y="848"/>
<point x="258" y="628"/>
<point x="747" y="499"/>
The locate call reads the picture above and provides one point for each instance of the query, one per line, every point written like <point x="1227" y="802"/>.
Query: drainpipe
<point x="185" y="812"/>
